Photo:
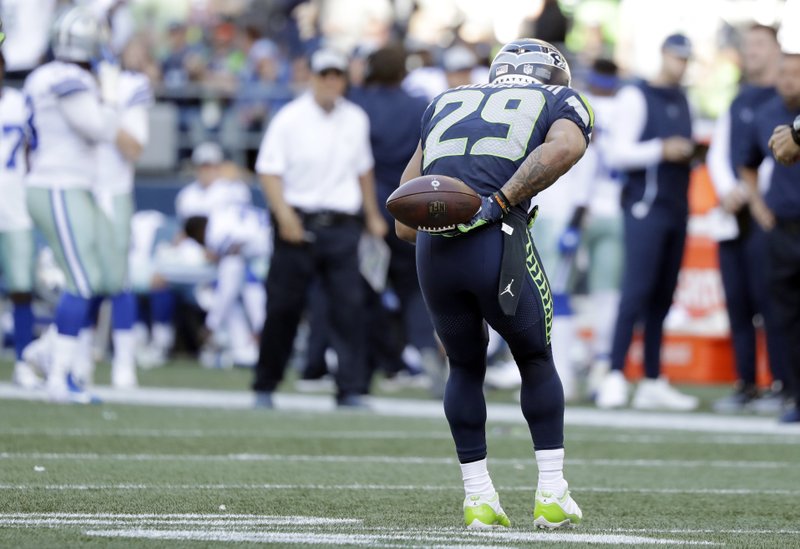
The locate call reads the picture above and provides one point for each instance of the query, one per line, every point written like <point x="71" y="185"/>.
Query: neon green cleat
<point x="482" y="511"/>
<point x="553" y="512"/>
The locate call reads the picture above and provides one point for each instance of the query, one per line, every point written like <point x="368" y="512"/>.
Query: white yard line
<point x="386" y="540"/>
<point x="509" y="413"/>
<point x="522" y="434"/>
<point x="280" y="529"/>
<point x="392" y="487"/>
<point x="400" y="460"/>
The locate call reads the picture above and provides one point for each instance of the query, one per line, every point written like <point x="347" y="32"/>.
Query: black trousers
<point x="783" y="248"/>
<point x="653" y="252"/>
<point x="459" y="278"/>
<point x="741" y="263"/>
<point x="332" y="258"/>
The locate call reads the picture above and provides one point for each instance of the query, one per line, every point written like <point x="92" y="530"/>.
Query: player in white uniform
<point x="212" y="189"/>
<point x="113" y="191"/>
<point x="26" y="24"/>
<point x="16" y="227"/>
<point x="68" y="120"/>
<point x="233" y="236"/>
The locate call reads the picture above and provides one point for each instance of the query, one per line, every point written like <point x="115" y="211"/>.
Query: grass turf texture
<point x="84" y="475"/>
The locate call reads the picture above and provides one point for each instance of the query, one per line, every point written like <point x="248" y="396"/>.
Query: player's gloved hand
<point x="569" y="241"/>
<point x="493" y="209"/>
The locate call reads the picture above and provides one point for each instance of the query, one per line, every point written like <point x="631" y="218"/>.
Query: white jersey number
<point x="518" y="109"/>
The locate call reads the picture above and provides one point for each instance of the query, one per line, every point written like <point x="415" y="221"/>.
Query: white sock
<point x="476" y="478"/>
<point x="83" y="363"/>
<point x="551" y="471"/>
<point x="124" y="347"/>
<point x="163" y="336"/>
<point x="64" y="350"/>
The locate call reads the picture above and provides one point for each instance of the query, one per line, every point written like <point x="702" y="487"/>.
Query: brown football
<point x="433" y="203"/>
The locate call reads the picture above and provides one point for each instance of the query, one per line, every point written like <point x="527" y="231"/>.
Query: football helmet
<point x="529" y="60"/>
<point x="78" y="36"/>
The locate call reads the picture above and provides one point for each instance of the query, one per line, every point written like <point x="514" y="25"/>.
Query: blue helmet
<point x="529" y="60"/>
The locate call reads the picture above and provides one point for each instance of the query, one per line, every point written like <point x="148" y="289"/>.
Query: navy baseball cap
<point x="678" y="45"/>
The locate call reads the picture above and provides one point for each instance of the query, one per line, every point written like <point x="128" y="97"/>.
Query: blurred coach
<point x="315" y="164"/>
<point x="778" y="213"/>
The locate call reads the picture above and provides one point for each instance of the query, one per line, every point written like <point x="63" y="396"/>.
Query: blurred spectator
<point x="137" y="56"/>
<point x="263" y="87"/>
<point x="225" y="59"/>
<point x="778" y="213"/>
<point x="458" y="67"/>
<point x="742" y="243"/>
<point x="551" y="25"/>
<point x="317" y="201"/>
<point x="211" y="189"/>
<point x="458" y="61"/>
<point x="394" y="117"/>
<point x="651" y="143"/>
<point x="174" y="64"/>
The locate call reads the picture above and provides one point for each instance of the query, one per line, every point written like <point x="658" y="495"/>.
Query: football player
<point x="508" y="139"/>
<point x="67" y="121"/>
<point x="234" y="236"/>
<point x="131" y="94"/>
<point x="16" y="227"/>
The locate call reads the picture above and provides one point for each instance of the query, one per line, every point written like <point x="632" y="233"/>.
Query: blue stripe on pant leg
<point x="67" y="240"/>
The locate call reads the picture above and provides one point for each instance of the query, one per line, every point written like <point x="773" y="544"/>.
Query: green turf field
<point x="117" y="475"/>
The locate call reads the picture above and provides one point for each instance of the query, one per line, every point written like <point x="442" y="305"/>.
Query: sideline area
<point x="424" y="408"/>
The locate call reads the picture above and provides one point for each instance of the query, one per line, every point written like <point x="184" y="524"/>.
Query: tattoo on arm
<point x="534" y="175"/>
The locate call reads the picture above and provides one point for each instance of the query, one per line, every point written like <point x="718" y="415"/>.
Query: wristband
<point x="502" y="201"/>
<point x="796" y="131"/>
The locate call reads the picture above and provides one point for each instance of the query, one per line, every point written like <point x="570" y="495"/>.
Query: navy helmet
<point x="526" y="60"/>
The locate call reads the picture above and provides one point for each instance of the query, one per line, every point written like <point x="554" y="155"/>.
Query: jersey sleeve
<point x="141" y="93"/>
<point x="272" y="153"/>
<point x="746" y="149"/>
<point x="365" y="158"/>
<point x="575" y="107"/>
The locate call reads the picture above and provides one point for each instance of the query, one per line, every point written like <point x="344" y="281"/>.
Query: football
<point x="433" y="203"/>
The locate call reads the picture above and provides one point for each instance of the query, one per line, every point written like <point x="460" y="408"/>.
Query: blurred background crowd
<point x="221" y="69"/>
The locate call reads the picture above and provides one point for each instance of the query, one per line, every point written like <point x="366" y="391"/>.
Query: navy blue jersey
<point x="394" y="131"/>
<point x="783" y="195"/>
<point x="742" y="111"/>
<point x="666" y="184"/>
<point x="481" y="134"/>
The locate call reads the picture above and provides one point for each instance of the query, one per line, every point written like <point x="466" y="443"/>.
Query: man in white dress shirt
<point x="315" y="164"/>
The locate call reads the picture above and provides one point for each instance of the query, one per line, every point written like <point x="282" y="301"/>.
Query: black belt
<point x="327" y="218"/>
